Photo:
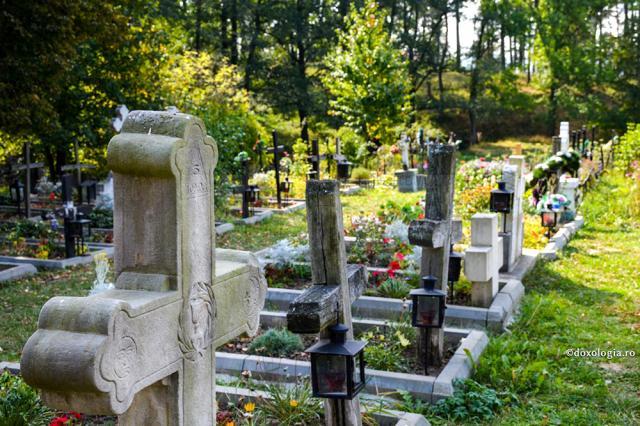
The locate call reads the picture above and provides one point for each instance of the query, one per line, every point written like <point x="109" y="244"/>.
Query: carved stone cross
<point x="483" y="258"/>
<point x="146" y="349"/>
<point x="433" y="234"/>
<point x="335" y="285"/>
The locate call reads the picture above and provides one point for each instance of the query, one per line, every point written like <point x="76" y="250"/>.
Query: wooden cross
<point x="433" y="234"/>
<point x="335" y="285"/>
<point x="146" y="349"/>
<point x="27" y="167"/>
<point x="276" y="150"/>
<point x="314" y="159"/>
<point x="78" y="168"/>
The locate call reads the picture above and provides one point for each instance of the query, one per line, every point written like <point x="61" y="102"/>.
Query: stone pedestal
<point x="568" y="187"/>
<point x="407" y="180"/>
<point x="483" y="259"/>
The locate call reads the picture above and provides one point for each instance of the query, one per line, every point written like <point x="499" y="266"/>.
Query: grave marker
<point x="276" y="150"/>
<point x="564" y="136"/>
<point x="483" y="258"/>
<point x="513" y="237"/>
<point x="335" y="285"/>
<point x="314" y="159"/>
<point x="433" y="234"/>
<point x="26" y="167"/>
<point x="146" y="350"/>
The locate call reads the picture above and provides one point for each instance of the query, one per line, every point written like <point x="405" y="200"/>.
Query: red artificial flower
<point x="394" y="265"/>
<point x="399" y="256"/>
<point x="421" y="216"/>
<point x="59" y="421"/>
<point x="376" y="273"/>
<point x="391" y="273"/>
<point x="76" y="415"/>
<point x="52" y="196"/>
<point x="386" y="240"/>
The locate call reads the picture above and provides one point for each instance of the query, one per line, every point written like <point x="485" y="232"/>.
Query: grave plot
<point x="393" y="353"/>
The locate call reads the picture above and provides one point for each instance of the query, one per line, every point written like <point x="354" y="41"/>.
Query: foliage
<point x="568" y="161"/>
<point x="361" y="173"/>
<point x="19" y="404"/>
<point x="367" y="76"/>
<point x="386" y="349"/>
<point x="101" y="218"/>
<point x="285" y="252"/>
<point x="392" y="211"/>
<point x="395" y="288"/>
<point x="291" y="406"/>
<point x="628" y="148"/>
<point x="276" y="343"/>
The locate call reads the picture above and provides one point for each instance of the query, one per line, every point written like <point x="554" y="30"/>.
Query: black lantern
<point x="501" y="199"/>
<point x="285" y="186"/>
<point x="17" y="192"/>
<point x="549" y="220"/>
<point x="428" y="305"/>
<point x="455" y="266"/>
<point x="253" y="193"/>
<point x="337" y="365"/>
<point x="344" y="170"/>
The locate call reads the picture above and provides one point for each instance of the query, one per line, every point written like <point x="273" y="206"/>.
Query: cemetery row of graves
<point x="378" y="291"/>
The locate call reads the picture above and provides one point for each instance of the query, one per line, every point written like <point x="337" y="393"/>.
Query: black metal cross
<point x="276" y="150"/>
<point x="27" y="166"/>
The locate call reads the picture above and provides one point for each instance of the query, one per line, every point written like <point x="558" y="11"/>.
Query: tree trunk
<point x="441" y="66"/>
<point x="553" y="106"/>
<point x="233" y="44"/>
<point x="253" y="45"/>
<point x="198" y="25"/>
<point x="224" y="36"/>
<point x="458" y="49"/>
<point x="473" y="85"/>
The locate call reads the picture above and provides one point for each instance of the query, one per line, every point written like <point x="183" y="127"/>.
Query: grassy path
<point x="589" y="299"/>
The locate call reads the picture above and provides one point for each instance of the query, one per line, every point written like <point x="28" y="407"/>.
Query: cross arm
<point x="77" y="166"/>
<point x="316" y="309"/>
<point x="429" y="233"/>
<point x="20" y="167"/>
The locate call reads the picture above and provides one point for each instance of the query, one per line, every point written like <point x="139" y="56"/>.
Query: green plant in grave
<point x="385" y="350"/>
<point x="101" y="218"/>
<point x="396" y="288"/>
<point x="19" y="404"/>
<point x="289" y="406"/>
<point x="276" y="343"/>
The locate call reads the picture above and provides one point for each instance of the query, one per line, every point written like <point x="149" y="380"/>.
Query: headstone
<point x="145" y="351"/>
<point x="513" y="235"/>
<point x="483" y="258"/>
<point x="568" y="187"/>
<point x="433" y="234"/>
<point x="564" y="136"/>
<point x="276" y="150"/>
<point x="335" y="286"/>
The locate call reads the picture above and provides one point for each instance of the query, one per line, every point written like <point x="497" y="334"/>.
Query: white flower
<point x="397" y="230"/>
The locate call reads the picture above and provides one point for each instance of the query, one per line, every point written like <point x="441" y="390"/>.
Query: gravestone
<point x="145" y="351"/>
<point x="513" y="237"/>
<point x="483" y="259"/>
<point x="564" y="136"/>
<point x="335" y="285"/>
<point x="276" y="150"/>
<point x="433" y="234"/>
<point x="407" y="181"/>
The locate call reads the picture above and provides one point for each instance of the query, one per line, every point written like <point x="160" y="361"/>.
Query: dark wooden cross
<point x="245" y="188"/>
<point x="433" y="234"/>
<point x="336" y="285"/>
<point x="27" y="167"/>
<point x="276" y="150"/>
<point x="77" y="167"/>
<point x="314" y="159"/>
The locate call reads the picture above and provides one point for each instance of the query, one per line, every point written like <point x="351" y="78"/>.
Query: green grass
<point x="588" y="299"/>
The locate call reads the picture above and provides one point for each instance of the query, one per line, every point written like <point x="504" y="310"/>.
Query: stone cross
<point x="335" y="285"/>
<point x="483" y="258"/>
<point x="276" y="150"/>
<point x="27" y="167"/>
<point x="314" y="159"/>
<point x="433" y="234"/>
<point x="404" y="151"/>
<point x="513" y="237"/>
<point x="564" y="136"/>
<point x="145" y="351"/>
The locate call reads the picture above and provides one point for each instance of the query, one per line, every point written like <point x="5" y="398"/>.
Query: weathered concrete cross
<point x="513" y="176"/>
<point x="146" y="350"/>
<point x="335" y="285"/>
<point x="433" y="234"/>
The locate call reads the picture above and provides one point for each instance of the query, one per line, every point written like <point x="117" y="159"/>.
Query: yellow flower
<point x="230" y="423"/>
<point x="249" y="407"/>
<point x="293" y="403"/>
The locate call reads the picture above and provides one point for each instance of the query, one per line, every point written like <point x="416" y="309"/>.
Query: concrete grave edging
<point x="17" y="270"/>
<point x="59" y="263"/>
<point x="561" y="238"/>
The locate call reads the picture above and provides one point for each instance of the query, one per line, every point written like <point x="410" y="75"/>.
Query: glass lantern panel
<point x="356" y="371"/>
<point x="428" y="311"/>
<point x="331" y="371"/>
<point x="548" y="219"/>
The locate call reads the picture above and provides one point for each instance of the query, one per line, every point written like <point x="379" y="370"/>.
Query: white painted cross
<point x="404" y="151"/>
<point x="146" y="350"/>
<point x="483" y="258"/>
<point x="564" y="136"/>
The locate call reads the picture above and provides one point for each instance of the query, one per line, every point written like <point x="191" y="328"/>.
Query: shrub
<point x="360" y="173"/>
<point x="386" y="350"/>
<point x="276" y="343"/>
<point x="471" y="401"/>
<point x="394" y="288"/>
<point x="628" y="149"/>
<point x="290" y="406"/>
<point x="101" y="218"/>
<point x="19" y="404"/>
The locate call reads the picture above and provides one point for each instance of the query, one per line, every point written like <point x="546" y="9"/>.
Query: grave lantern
<point x="501" y="199"/>
<point x="17" y="191"/>
<point x="428" y="304"/>
<point x="253" y="193"/>
<point x="337" y="365"/>
<point x="285" y="186"/>
<point x="549" y="220"/>
<point x="455" y="266"/>
<point x="344" y="170"/>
